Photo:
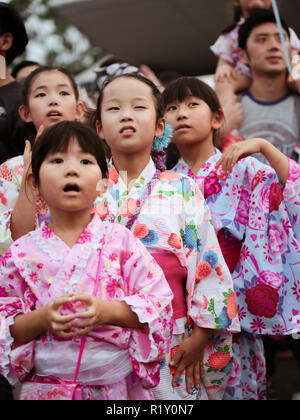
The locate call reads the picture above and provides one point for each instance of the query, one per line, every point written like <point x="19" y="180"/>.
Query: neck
<point x="8" y="79"/>
<point x="195" y="155"/>
<point x="130" y="166"/>
<point x="266" y="88"/>
<point x="69" y="226"/>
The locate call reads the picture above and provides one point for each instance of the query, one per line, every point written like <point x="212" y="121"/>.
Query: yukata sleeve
<point x="210" y="291"/>
<point x="291" y="196"/>
<point x="294" y="41"/>
<point x="16" y="298"/>
<point x="223" y="48"/>
<point x="150" y="297"/>
<point x="10" y="182"/>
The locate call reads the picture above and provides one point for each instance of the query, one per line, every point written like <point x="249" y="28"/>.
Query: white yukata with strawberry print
<point x="175" y="226"/>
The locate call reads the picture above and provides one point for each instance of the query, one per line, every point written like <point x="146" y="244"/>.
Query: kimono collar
<point x="183" y="167"/>
<point x="118" y="186"/>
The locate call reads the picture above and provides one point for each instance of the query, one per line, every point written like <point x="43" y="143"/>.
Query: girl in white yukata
<point x="231" y="74"/>
<point x="85" y="311"/>
<point x="50" y="95"/>
<point x="255" y="212"/>
<point x="175" y="225"/>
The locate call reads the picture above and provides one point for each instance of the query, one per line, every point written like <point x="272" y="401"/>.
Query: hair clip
<point x="162" y="142"/>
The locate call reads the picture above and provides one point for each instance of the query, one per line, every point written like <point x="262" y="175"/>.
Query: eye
<point x="64" y="93"/>
<point x="57" y="160"/>
<point x="40" y="95"/>
<point x="171" y="108"/>
<point x="86" y="162"/>
<point x="140" y="107"/>
<point x="113" y="108"/>
<point x="192" y="104"/>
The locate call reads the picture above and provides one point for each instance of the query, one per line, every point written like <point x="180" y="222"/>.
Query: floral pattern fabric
<point x="11" y="173"/>
<point x="40" y="267"/>
<point x="175" y="219"/>
<point x="251" y="206"/>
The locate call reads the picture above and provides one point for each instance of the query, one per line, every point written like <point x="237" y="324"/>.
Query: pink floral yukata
<point x="117" y="363"/>
<point x="250" y="206"/>
<point x="175" y="225"/>
<point x="226" y="47"/>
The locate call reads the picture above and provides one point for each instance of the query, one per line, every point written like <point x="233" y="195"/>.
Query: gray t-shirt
<point x="277" y="121"/>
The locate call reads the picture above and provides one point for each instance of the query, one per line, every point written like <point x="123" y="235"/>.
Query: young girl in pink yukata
<point x="49" y="298"/>
<point x="175" y="225"/>
<point x="231" y="74"/>
<point x="255" y="211"/>
<point x="50" y="95"/>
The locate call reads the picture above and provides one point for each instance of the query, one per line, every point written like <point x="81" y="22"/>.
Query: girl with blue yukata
<point x="255" y="211"/>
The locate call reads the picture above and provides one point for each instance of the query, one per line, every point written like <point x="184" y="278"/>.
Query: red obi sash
<point x="231" y="249"/>
<point x="176" y="276"/>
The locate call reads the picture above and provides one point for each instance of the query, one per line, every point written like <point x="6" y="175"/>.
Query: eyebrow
<point x="46" y="87"/>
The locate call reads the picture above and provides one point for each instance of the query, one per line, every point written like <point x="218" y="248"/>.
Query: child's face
<point x="192" y="121"/>
<point x="128" y="117"/>
<point x="248" y="5"/>
<point x="68" y="180"/>
<point x="51" y="100"/>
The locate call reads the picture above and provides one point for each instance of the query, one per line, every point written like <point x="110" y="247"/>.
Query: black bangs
<point x="184" y="87"/>
<point x="57" y="138"/>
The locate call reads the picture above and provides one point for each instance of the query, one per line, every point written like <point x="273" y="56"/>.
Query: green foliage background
<point x="75" y="56"/>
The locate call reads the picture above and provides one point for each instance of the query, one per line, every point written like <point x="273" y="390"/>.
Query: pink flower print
<point x="211" y="185"/>
<point x="258" y="220"/>
<point x="278" y="330"/>
<point x="259" y="177"/>
<point x="40" y="266"/>
<point x="273" y="280"/>
<point x="5" y="258"/>
<point x="3" y="199"/>
<point x="86" y="236"/>
<point x="276" y="197"/>
<point x="113" y="257"/>
<point x="128" y="208"/>
<point x="3" y="292"/>
<point x="294" y="173"/>
<point x="296" y="290"/>
<point x="46" y="231"/>
<point x="111" y="287"/>
<point x="278" y="239"/>
<point x="257" y="326"/>
<point x="244" y="253"/>
<point x="33" y="276"/>
<point x="242" y="214"/>
<point x="262" y="301"/>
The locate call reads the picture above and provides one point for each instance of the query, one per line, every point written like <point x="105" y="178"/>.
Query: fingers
<point x="40" y="131"/>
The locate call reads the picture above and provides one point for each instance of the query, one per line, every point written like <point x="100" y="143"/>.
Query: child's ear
<point x="80" y="107"/>
<point x="25" y="113"/>
<point x="160" y="127"/>
<point x="6" y="41"/>
<point x="99" y="129"/>
<point x="218" y="119"/>
<point x="243" y="56"/>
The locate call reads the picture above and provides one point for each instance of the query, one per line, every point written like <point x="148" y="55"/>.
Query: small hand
<point x="54" y="321"/>
<point x="239" y="151"/>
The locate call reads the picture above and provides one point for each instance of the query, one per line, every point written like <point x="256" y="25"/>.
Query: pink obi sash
<point x="231" y="249"/>
<point x="176" y="276"/>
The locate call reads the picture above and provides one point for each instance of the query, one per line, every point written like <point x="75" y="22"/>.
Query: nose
<point x="53" y="100"/>
<point x="126" y="115"/>
<point x="71" y="172"/>
<point x="181" y="112"/>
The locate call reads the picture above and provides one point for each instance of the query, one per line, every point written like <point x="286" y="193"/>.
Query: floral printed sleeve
<point x="15" y="298"/>
<point x="291" y="195"/>
<point x="150" y="298"/>
<point x="11" y="173"/>
<point x="211" y="298"/>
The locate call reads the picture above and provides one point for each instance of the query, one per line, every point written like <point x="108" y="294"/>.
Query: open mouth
<point x="71" y="188"/>
<point x="182" y="127"/>
<point x="54" y="114"/>
<point x="127" y="130"/>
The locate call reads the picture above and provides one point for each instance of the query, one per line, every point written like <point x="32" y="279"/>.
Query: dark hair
<point x="57" y="139"/>
<point x="11" y="22"/>
<point x="178" y="91"/>
<point x="155" y="92"/>
<point x="22" y="65"/>
<point x="257" y="18"/>
<point x="31" y="77"/>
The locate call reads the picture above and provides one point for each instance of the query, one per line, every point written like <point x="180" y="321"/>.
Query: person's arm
<point x="23" y="215"/>
<point x="276" y="159"/>
<point x="31" y="325"/>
